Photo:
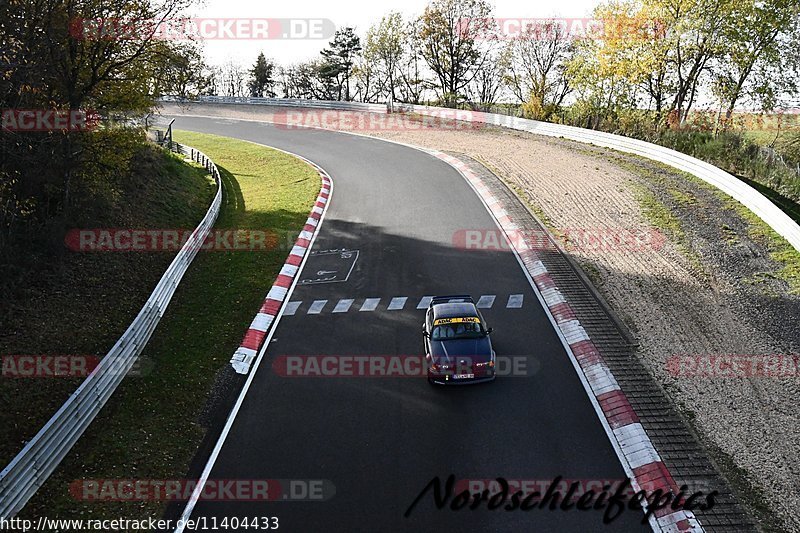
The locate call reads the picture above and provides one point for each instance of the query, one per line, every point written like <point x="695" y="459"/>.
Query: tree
<point x="538" y="65"/>
<point x="384" y="46"/>
<point x="665" y="48"/>
<point x="756" y="61"/>
<point x="261" y="82"/>
<point x="451" y="33"/>
<point x="180" y="71"/>
<point x="694" y="39"/>
<point x="53" y="59"/>
<point x="369" y="82"/>
<point x="309" y="80"/>
<point x="209" y="84"/>
<point x="233" y="79"/>
<point x="412" y="82"/>
<point x="339" y="58"/>
<point x="289" y="79"/>
<point x="489" y="79"/>
<point x="601" y="85"/>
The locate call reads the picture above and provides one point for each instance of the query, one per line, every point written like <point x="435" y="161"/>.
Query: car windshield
<point x="462" y="330"/>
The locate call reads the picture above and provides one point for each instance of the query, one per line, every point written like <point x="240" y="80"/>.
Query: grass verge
<point x="779" y="248"/>
<point x="660" y="215"/>
<point x="150" y="428"/>
<point x="655" y="211"/>
<point x="79" y="303"/>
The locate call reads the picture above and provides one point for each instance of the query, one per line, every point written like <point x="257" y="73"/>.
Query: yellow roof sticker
<point x="456" y="320"/>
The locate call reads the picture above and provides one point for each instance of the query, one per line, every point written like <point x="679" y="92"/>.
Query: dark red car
<point x="457" y="345"/>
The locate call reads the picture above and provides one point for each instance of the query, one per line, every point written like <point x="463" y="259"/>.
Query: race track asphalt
<point x="378" y="441"/>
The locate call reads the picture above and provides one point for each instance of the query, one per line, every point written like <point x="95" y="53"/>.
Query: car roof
<point x="454" y="309"/>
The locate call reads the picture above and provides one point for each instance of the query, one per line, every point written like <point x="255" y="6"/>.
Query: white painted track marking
<point x="291" y="308"/>
<point x="486" y="301"/>
<point x="515" y="301"/>
<point x="343" y="306"/>
<point x="397" y="303"/>
<point x="370" y="304"/>
<point x="316" y="307"/>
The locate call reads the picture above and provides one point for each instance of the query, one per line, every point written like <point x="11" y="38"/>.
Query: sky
<point x="358" y="13"/>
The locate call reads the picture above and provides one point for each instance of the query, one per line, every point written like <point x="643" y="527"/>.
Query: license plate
<point x="463" y="376"/>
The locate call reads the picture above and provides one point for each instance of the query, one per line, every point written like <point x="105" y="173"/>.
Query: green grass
<point x="662" y="217"/>
<point x="654" y="210"/>
<point x="779" y="248"/>
<point x="75" y="303"/>
<point x="658" y="214"/>
<point x="761" y="137"/>
<point x="730" y="235"/>
<point x="150" y="428"/>
<point x="682" y="198"/>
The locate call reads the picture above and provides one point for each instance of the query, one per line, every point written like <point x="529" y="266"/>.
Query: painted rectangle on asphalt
<point x="329" y="266"/>
<point x="397" y="303"/>
<point x="316" y="307"/>
<point x="343" y="306"/>
<point x="370" y="304"/>
<point x="514" y="301"/>
<point x="291" y="308"/>
<point x="486" y="301"/>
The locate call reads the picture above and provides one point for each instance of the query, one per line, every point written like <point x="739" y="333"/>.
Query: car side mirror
<point x="488" y="331"/>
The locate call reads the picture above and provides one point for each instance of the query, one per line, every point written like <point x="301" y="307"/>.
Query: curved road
<point x="379" y="441"/>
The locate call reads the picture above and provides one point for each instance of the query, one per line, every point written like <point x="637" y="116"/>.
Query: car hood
<point x="478" y="350"/>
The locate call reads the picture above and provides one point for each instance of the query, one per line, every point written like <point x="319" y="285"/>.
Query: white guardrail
<point x="40" y="457"/>
<point x="295" y="102"/>
<point x="759" y="204"/>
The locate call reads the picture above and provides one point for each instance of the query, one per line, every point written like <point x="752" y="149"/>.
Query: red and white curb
<point x="639" y="458"/>
<point x="271" y="308"/>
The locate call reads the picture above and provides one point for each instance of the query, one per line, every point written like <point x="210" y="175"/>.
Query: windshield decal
<point x="457" y="320"/>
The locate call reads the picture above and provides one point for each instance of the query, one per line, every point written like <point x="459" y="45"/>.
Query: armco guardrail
<point x="40" y="457"/>
<point x="295" y="102"/>
<point x="740" y="191"/>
